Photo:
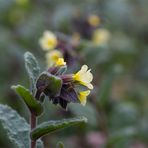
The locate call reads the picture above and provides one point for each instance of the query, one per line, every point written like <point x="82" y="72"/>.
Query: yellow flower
<point x="84" y="77"/>
<point x="48" y="41"/>
<point x="83" y="96"/>
<point x="52" y="57"/>
<point x="94" y="20"/>
<point x="60" y="62"/>
<point x="100" y="36"/>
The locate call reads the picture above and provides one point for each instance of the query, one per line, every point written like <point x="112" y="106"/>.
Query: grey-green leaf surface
<point x="29" y="100"/>
<point x="17" y="129"/>
<point x="52" y="126"/>
<point x="32" y="67"/>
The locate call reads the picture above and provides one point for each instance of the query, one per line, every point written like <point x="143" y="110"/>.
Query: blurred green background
<point x="117" y="109"/>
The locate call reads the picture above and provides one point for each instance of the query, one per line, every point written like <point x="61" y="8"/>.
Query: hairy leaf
<point x="17" y="129"/>
<point x="49" y="84"/>
<point x="32" y="67"/>
<point x="34" y="106"/>
<point x="52" y="126"/>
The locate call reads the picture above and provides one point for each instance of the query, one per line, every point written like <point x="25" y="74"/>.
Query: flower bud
<point x="49" y="84"/>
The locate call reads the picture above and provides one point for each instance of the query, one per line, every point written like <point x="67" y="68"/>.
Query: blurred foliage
<point x="117" y="109"/>
<point x="16" y="128"/>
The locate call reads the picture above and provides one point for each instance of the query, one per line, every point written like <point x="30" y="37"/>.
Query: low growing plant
<point x="54" y="85"/>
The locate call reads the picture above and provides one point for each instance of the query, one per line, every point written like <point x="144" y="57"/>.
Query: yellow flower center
<point x="94" y="20"/>
<point x="60" y="62"/>
<point x="51" y="42"/>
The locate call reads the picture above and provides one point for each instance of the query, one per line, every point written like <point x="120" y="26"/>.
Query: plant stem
<point x="33" y="125"/>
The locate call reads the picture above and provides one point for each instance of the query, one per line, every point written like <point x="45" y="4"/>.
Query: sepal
<point x="49" y="84"/>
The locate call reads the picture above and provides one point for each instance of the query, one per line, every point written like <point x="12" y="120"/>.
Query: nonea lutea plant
<point x="58" y="87"/>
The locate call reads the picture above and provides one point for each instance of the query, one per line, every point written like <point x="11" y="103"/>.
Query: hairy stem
<point x="33" y="125"/>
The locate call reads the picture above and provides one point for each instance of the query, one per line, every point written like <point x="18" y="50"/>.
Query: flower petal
<point x="84" y="77"/>
<point x="83" y="96"/>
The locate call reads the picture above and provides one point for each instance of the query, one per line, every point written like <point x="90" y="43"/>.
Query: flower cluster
<point x="56" y="47"/>
<point x="89" y="28"/>
<point x="60" y="46"/>
<point x="63" y="88"/>
<point x="48" y="43"/>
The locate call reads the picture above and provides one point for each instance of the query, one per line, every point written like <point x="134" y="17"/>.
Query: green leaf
<point x="17" y="129"/>
<point x="49" y="83"/>
<point x="34" y="106"/>
<point x="32" y="67"/>
<point x="52" y="126"/>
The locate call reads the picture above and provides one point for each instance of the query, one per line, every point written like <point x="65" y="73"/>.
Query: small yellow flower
<point x="52" y="57"/>
<point x="84" y="77"/>
<point x="83" y="96"/>
<point x="100" y="36"/>
<point x="48" y="41"/>
<point x="94" y="20"/>
<point x="60" y="62"/>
